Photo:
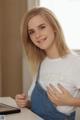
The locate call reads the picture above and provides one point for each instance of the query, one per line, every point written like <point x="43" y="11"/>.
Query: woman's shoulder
<point x="75" y="56"/>
<point x="74" y="60"/>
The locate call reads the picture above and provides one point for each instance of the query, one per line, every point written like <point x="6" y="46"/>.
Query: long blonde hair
<point x="34" y="54"/>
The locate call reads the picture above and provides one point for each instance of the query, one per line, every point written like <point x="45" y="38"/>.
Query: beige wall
<point x="11" y="14"/>
<point x="14" y="71"/>
<point x="0" y="40"/>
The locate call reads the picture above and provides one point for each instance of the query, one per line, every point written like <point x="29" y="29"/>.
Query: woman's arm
<point x="22" y="100"/>
<point x="28" y="104"/>
<point x="75" y="102"/>
<point x="63" y="97"/>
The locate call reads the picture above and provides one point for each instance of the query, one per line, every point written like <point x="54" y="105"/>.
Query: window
<point x="67" y="12"/>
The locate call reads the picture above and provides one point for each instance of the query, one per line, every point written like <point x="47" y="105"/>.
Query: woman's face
<point x="41" y="33"/>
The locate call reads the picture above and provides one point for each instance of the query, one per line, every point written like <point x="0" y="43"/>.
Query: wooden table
<point x="25" y="113"/>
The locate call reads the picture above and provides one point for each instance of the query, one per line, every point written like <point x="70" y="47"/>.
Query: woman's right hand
<point x="21" y="100"/>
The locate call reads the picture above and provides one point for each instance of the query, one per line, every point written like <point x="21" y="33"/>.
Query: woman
<point x="54" y="93"/>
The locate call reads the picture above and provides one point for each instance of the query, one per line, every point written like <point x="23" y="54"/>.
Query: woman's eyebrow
<point x="30" y="29"/>
<point x="42" y="24"/>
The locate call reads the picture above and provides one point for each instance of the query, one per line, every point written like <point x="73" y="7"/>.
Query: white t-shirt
<point x="65" y="71"/>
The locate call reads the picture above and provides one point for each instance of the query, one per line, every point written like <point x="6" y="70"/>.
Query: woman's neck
<point x="53" y="52"/>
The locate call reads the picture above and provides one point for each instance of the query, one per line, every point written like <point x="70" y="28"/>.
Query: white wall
<point x="67" y="11"/>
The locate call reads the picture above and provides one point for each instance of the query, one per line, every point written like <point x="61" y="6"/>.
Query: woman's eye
<point x="31" y="32"/>
<point x="42" y="27"/>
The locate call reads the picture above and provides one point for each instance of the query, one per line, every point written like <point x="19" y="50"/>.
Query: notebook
<point x="7" y="109"/>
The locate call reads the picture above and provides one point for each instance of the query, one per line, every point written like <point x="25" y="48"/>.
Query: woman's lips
<point x="41" y="40"/>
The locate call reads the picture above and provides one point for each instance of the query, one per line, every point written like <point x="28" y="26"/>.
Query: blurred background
<point x="15" y="76"/>
<point x="14" y="73"/>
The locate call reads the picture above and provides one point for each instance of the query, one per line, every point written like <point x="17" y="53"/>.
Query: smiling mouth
<point x="41" y="40"/>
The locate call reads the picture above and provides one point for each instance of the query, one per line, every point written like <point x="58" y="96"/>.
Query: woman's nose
<point x="37" y="34"/>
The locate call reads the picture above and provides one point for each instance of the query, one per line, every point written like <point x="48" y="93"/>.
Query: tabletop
<point x="25" y="113"/>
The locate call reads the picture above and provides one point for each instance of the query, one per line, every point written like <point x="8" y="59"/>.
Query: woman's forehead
<point x="38" y="19"/>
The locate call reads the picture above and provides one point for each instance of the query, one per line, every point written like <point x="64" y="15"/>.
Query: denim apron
<point x="42" y="106"/>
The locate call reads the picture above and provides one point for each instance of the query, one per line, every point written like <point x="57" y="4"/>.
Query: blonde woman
<point x="54" y="93"/>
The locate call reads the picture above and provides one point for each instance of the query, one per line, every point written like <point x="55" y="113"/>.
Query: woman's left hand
<point x="59" y="98"/>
